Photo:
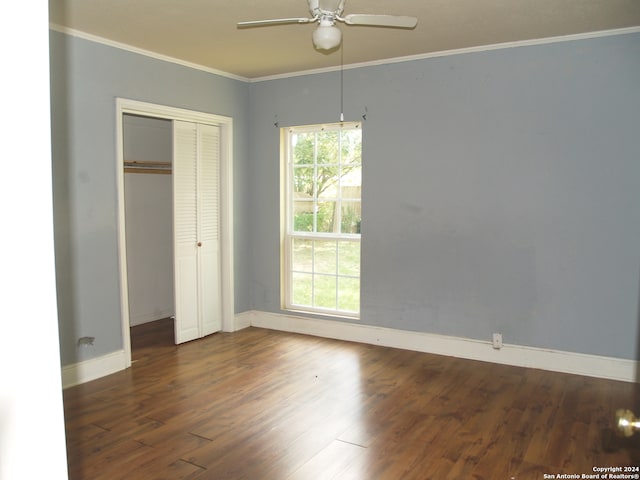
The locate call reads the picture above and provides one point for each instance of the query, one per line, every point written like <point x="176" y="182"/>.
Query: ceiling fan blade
<point x="395" y="21"/>
<point x="275" y="21"/>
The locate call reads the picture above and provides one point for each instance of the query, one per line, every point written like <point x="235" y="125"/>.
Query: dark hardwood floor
<point x="266" y="405"/>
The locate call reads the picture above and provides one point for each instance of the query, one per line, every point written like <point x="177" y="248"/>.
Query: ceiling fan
<point x="325" y="13"/>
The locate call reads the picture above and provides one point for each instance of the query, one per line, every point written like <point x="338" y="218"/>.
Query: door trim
<point x="226" y="204"/>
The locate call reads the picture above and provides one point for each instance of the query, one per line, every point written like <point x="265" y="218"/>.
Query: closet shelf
<point x="141" y="166"/>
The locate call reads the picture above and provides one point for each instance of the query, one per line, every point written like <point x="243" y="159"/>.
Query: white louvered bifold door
<point x="195" y="226"/>
<point x="208" y="228"/>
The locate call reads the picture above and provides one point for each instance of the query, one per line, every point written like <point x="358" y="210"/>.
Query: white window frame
<point x="288" y="234"/>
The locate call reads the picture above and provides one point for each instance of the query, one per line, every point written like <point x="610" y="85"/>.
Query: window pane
<point x="325" y="256"/>
<point x="351" y="181"/>
<point x="325" y="291"/>
<point x="325" y="217"/>
<point x="351" y="146"/>
<point x="328" y="148"/>
<point x="349" y="258"/>
<point x="349" y="294"/>
<point x="303" y="148"/>
<point x="303" y="182"/>
<point x="302" y="289"/>
<point x="327" y="183"/>
<point x="351" y="217"/>
<point x="303" y="217"/>
<point x="302" y="255"/>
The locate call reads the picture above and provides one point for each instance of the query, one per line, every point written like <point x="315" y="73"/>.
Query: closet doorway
<point x="159" y="276"/>
<point x="148" y="204"/>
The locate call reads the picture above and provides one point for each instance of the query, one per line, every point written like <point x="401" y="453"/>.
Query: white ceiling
<point x="204" y="32"/>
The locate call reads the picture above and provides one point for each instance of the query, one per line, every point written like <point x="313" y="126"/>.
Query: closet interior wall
<point x="148" y="218"/>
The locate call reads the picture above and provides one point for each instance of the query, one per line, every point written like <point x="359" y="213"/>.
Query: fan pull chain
<point x="342" y="82"/>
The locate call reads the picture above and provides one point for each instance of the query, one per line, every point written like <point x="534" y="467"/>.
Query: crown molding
<point x="141" y="51"/>
<point x="387" y="61"/>
<point x="459" y="51"/>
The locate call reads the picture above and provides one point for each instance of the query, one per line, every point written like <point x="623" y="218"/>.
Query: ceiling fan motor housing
<point x="327" y="36"/>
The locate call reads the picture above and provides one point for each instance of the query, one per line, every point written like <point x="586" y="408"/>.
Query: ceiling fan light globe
<point x="326" y="37"/>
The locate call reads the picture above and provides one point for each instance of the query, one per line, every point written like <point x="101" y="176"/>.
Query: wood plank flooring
<point x="266" y="405"/>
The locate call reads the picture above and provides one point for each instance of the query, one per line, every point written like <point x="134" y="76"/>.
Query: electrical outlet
<point x="85" y="341"/>
<point x="497" y="341"/>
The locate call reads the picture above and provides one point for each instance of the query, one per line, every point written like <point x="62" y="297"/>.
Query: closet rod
<point x="142" y="166"/>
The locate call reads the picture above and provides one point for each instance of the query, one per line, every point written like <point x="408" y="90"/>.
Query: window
<point x="322" y="215"/>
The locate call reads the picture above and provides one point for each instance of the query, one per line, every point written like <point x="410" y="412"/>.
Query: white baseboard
<point x="242" y="320"/>
<point x="516" y="355"/>
<point x="95" y="368"/>
<point x="92" y="369"/>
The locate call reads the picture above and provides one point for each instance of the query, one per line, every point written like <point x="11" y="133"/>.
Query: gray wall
<point x="500" y="188"/>
<point x="86" y="78"/>
<point x="500" y="191"/>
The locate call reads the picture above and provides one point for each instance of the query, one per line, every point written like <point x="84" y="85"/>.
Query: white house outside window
<point x="322" y="217"/>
